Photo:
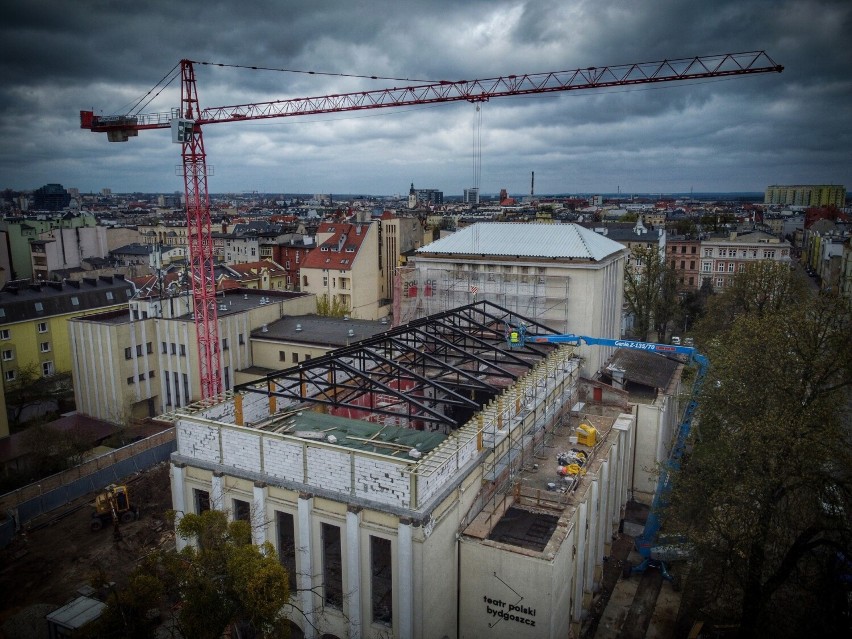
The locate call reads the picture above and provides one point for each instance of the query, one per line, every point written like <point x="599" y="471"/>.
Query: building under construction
<point x="563" y="276"/>
<point x="428" y="481"/>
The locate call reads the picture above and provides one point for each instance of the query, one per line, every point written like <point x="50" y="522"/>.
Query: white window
<point x="8" y="355"/>
<point x="768" y="254"/>
<point x="4" y="333"/>
<point x="720" y="282"/>
<point x="721" y="267"/>
<point x="742" y="268"/>
<point x="708" y="252"/>
<point x="39" y="307"/>
<point x="42" y="327"/>
<point x="75" y="301"/>
<point x="9" y="376"/>
<point x="707" y="267"/>
<point x="109" y="295"/>
<point x="723" y="252"/>
<point x="730" y="267"/>
<point x="47" y="369"/>
<point x="44" y="347"/>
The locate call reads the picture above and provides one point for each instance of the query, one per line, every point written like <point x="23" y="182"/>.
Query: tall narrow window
<point x="287" y="545"/>
<point x="201" y="499"/>
<point x="332" y="566"/>
<point x="381" y="580"/>
<point x="242" y="510"/>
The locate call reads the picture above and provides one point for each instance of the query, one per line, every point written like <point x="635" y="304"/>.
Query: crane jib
<point x="120" y="128"/>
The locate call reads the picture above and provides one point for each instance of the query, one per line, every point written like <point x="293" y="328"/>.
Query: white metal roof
<point x="525" y="240"/>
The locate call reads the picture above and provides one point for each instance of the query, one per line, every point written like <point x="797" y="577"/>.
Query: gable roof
<point x="339" y="251"/>
<point x="525" y="240"/>
<point x="648" y="369"/>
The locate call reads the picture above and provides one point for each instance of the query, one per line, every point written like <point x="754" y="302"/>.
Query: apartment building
<point x="21" y="232"/>
<point x="35" y="322"/>
<point x="806" y="195"/>
<point x="66" y="248"/>
<point x="722" y="257"/>
<point x="683" y="254"/>
<point x="346" y="271"/>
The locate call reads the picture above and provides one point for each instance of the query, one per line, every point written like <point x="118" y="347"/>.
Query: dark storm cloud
<point x="58" y="57"/>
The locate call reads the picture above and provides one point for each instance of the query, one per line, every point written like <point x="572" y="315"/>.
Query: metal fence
<point x="27" y="503"/>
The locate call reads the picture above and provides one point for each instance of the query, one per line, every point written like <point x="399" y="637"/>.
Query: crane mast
<point x="199" y="236"/>
<point x="187" y="122"/>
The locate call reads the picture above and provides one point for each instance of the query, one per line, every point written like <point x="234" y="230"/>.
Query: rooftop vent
<point x="384" y="320"/>
<point x="264" y="329"/>
<point x="345" y="318"/>
<point x="298" y="327"/>
<point x="351" y="333"/>
<point x="415" y="454"/>
<point x="245" y="296"/>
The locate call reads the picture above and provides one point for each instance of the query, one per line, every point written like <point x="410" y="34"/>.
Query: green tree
<point x="219" y="581"/>
<point x="767" y="491"/>
<point x="30" y="389"/>
<point x="764" y="287"/>
<point x="649" y="291"/>
<point x="331" y="307"/>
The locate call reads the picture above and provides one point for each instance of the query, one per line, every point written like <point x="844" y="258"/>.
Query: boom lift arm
<point x="186" y="123"/>
<point x="646" y="544"/>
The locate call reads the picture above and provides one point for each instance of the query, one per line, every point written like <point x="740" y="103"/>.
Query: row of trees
<point x="765" y="494"/>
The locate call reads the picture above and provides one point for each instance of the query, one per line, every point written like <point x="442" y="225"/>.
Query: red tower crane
<point x="187" y="121"/>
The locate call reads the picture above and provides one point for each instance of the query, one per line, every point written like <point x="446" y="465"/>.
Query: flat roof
<point x="319" y="330"/>
<point x="242" y="300"/>
<point x="357" y="434"/>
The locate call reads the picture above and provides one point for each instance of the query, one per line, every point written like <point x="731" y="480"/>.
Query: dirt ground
<point x="60" y="554"/>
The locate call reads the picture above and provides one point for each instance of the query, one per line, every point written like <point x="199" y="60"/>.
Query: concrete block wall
<point x="256" y="407"/>
<point x="328" y="468"/>
<point x="455" y="452"/>
<point x="198" y="441"/>
<point x="283" y="459"/>
<point x="382" y="481"/>
<point x="241" y="449"/>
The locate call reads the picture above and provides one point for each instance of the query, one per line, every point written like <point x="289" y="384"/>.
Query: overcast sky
<point x="741" y="134"/>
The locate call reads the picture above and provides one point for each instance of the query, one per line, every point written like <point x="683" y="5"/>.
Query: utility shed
<point x="73" y="616"/>
<point x="640" y="372"/>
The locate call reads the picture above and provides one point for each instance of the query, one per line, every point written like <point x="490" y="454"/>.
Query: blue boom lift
<point x="653" y="554"/>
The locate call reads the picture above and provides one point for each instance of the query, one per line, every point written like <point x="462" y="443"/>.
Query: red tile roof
<point x="339" y="251"/>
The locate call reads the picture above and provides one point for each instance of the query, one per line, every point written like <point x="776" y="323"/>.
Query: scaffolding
<point x="423" y="291"/>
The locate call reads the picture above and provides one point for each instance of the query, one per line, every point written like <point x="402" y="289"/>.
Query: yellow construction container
<point x="587" y="434"/>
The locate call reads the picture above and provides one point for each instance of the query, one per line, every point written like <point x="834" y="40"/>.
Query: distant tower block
<point x="532" y="184"/>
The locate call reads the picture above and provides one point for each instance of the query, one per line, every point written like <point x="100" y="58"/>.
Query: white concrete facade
<point x="334" y="505"/>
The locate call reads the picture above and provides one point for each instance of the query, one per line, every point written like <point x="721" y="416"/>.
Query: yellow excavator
<point x="113" y="505"/>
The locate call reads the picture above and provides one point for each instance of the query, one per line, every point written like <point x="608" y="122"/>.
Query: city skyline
<point x="737" y="135"/>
